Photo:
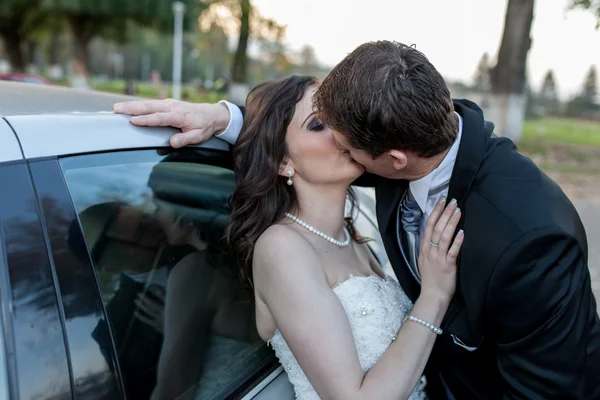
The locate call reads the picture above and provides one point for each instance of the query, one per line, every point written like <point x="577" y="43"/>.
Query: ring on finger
<point x="433" y="244"/>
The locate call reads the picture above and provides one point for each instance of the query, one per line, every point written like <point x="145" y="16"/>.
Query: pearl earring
<point x="289" y="174"/>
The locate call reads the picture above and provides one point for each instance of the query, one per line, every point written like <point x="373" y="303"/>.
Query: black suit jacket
<point x="523" y="323"/>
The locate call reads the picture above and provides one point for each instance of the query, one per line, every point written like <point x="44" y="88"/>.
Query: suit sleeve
<point x="540" y="304"/>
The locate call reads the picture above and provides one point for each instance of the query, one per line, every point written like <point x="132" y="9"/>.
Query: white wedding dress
<point x="376" y="309"/>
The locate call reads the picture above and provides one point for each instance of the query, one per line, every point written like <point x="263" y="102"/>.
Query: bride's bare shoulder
<point x="282" y="245"/>
<point x="280" y="239"/>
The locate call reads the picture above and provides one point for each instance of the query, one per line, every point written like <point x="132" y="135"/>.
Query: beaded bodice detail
<point x="376" y="309"/>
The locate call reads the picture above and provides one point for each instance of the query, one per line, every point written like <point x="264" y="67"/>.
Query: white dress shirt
<point x="419" y="188"/>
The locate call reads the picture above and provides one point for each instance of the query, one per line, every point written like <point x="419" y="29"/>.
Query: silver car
<point x="115" y="282"/>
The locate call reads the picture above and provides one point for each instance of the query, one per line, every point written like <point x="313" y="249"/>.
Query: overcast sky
<point x="453" y="34"/>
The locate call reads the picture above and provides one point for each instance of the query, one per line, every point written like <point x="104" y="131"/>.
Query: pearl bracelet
<point x="425" y="324"/>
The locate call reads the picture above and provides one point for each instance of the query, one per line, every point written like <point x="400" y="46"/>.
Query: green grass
<point x="145" y="89"/>
<point x="561" y="130"/>
<point x="563" y="145"/>
<point x="564" y="169"/>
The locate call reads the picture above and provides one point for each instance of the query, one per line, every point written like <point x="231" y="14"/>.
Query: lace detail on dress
<point x="376" y="309"/>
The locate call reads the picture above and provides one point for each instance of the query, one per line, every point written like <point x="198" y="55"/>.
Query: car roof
<point x="57" y="121"/>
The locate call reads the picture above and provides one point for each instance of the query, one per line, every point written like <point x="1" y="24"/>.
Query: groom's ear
<point x="399" y="159"/>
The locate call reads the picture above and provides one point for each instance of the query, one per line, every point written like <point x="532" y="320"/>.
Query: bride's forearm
<point x="397" y="372"/>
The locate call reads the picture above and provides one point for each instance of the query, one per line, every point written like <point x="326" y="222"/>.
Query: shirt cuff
<point x="236" y="120"/>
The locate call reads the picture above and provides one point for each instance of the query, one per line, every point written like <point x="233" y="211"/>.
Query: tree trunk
<point x="80" y="62"/>
<point x="54" y="47"/>
<point x="33" y="60"/>
<point x="30" y="48"/>
<point x="12" y="45"/>
<point x="508" y="100"/>
<point x="238" y="87"/>
<point x="55" y="70"/>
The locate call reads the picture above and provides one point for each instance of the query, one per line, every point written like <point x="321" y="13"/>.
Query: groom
<point x="523" y="323"/>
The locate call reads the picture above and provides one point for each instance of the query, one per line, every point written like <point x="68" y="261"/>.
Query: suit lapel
<point x="470" y="156"/>
<point x="470" y="152"/>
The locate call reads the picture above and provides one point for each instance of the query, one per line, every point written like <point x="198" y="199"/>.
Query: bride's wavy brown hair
<point x="261" y="196"/>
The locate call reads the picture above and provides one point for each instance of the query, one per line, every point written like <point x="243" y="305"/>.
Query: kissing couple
<point x="492" y="295"/>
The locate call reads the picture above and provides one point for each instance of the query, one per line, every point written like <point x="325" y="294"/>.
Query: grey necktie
<point x="409" y="217"/>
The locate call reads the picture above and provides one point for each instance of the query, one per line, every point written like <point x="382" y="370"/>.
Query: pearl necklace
<point x="319" y="233"/>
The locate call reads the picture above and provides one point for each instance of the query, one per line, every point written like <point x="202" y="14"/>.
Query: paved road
<point x="590" y="214"/>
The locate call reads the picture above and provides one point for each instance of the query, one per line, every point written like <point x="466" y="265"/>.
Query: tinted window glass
<point x="182" y="323"/>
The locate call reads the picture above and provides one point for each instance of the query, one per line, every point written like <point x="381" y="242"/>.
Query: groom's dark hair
<point x="386" y="95"/>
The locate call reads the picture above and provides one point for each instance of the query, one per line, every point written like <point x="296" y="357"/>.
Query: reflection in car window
<point x="182" y="324"/>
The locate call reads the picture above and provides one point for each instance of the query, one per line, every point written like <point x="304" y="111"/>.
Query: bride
<point x="334" y="319"/>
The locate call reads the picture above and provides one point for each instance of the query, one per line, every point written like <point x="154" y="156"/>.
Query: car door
<point x="134" y="239"/>
<point x="174" y="312"/>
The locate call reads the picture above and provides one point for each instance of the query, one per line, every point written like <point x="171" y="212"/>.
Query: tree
<point x="593" y="5"/>
<point x="27" y="31"/>
<point x="248" y="23"/>
<point x="240" y="59"/>
<point x="273" y="60"/>
<point x="590" y="87"/>
<point x="110" y="18"/>
<point x="585" y="103"/>
<point x="212" y="48"/>
<point x="548" y="96"/>
<point x="508" y="100"/>
<point x="14" y="17"/>
<point x="307" y="62"/>
<point x="481" y="79"/>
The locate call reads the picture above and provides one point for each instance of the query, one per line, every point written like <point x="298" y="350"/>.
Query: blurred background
<point x="531" y="65"/>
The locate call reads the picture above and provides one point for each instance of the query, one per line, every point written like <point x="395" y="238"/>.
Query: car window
<point x="182" y="323"/>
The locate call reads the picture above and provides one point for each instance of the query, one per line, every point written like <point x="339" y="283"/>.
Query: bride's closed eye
<point x="315" y="125"/>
